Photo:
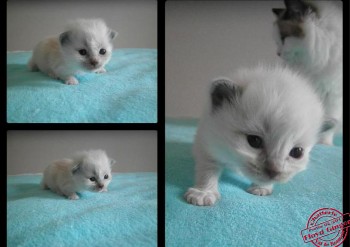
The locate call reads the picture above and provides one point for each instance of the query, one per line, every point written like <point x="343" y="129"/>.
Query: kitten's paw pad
<point x="201" y="197"/>
<point x="73" y="197"/>
<point x="259" y="191"/>
<point x="100" y="71"/>
<point x="71" y="81"/>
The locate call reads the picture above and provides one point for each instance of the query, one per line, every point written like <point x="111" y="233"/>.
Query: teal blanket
<point x="239" y="218"/>
<point x="127" y="93"/>
<point x="126" y="215"/>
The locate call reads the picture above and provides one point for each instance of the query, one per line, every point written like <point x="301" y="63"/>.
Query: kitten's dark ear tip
<point x="328" y="124"/>
<point x="277" y="12"/>
<point x="223" y="90"/>
<point x="75" y="168"/>
<point x="112" y="34"/>
<point x="64" y="38"/>
<point x="112" y="162"/>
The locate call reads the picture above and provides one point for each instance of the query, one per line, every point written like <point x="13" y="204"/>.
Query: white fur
<point x="61" y="60"/>
<point x="318" y="55"/>
<point x="276" y="104"/>
<point x="68" y="176"/>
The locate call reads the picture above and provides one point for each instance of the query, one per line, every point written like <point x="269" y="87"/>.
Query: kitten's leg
<point x="260" y="190"/>
<point x="101" y="70"/>
<point x="68" y="192"/>
<point x="53" y="75"/>
<point x="205" y="192"/>
<point x="71" y="80"/>
<point x="73" y="196"/>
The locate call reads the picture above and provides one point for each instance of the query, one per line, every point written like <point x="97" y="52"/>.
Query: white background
<point x="208" y="39"/>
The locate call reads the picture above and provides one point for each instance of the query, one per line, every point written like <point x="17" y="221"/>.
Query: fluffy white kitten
<point x="309" y="38"/>
<point x="262" y="124"/>
<point x="86" y="45"/>
<point x="87" y="170"/>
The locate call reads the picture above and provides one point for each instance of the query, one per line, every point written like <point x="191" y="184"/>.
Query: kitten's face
<point x="87" y="49"/>
<point x="271" y="122"/>
<point x="290" y="32"/>
<point x="94" y="172"/>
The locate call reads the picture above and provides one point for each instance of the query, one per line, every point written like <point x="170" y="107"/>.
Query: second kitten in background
<point x="86" y="45"/>
<point x="309" y="39"/>
<point x="87" y="170"/>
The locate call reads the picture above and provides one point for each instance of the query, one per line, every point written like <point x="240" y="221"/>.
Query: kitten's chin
<point x="260" y="177"/>
<point x="90" y="68"/>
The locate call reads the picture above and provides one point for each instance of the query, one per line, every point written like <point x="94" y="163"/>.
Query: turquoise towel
<point x="127" y="93"/>
<point x="126" y="215"/>
<point x="239" y="218"/>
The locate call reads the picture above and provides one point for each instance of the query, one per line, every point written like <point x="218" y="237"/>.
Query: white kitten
<point x="86" y="45"/>
<point x="262" y="124"/>
<point x="309" y="38"/>
<point x="88" y="170"/>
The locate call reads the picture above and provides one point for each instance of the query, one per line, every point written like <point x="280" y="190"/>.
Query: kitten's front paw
<point x="101" y="70"/>
<point x="201" y="197"/>
<point x="71" y="81"/>
<point x="73" y="197"/>
<point x="260" y="190"/>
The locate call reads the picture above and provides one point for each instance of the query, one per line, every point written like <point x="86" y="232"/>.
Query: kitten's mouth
<point x="256" y="173"/>
<point x="91" y="67"/>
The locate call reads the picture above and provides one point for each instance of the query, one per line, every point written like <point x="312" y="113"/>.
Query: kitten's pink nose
<point x="93" y="62"/>
<point x="273" y="169"/>
<point x="100" y="186"/>
<point x="272" y="173"/>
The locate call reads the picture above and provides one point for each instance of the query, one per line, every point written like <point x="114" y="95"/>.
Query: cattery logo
<point x="326" y="227"/>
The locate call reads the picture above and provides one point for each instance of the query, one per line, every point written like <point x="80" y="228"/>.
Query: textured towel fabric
<point x="126" y="215"/>
<point x="127" y="93"/>
<point x="239" y="218"/>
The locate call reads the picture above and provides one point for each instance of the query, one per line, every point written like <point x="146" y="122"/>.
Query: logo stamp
<point x="326" y="227"/>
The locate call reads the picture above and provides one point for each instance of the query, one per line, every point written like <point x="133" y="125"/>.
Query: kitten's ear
<point x="76" y="168"/>
<point x="112" y="34"/>
<point x="223" y="91"/>
<point x="328" y="124"/>
<point x="296" y="8"/>
<point x="65" y="37"/>
<point x="277" y="12"/>
<point x="112" y="162"/>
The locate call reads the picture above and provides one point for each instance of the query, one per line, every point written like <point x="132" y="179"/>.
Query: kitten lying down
<point x="261" y="124"/>
<point x="85" y="46"/>
<point x="87" y="170"/>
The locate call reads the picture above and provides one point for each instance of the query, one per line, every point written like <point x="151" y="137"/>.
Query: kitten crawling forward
<point x="85" y="46"/>
<point x="262" y="124"/>
<point x="88" y="170"/>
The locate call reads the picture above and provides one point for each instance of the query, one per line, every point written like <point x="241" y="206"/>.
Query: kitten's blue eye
<point x="82" y="52"/>
<point x="106" y="176"/>
<point x="92" y="179"/>
<point x="296" y="152"/>
<point x="255" y="141"/>
<point x="102" y="51"/>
